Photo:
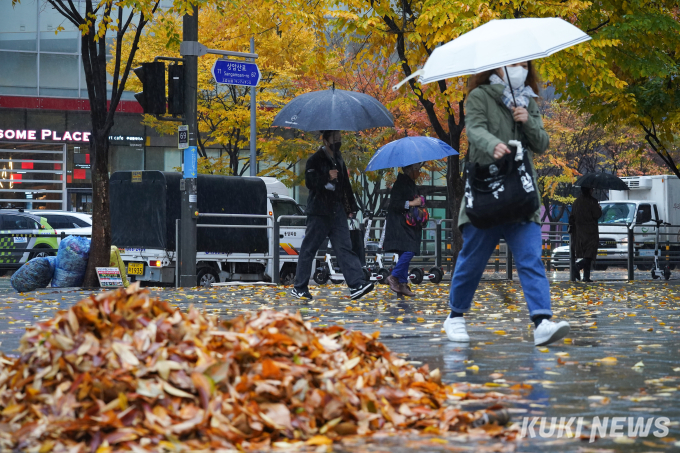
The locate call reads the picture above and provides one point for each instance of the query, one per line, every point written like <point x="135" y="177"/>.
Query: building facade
<point x="45" y="119"/>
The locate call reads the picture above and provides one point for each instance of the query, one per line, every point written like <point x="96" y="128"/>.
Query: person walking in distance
<point x="331" y="202"/>
<point x="496" y="114"/>
<point x="585" y="213"/>
<point x="402" y="233"/>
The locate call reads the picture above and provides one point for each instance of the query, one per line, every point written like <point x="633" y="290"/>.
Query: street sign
<point x="231" y="72"/>
<point x="190" y="162"/>
<point x="183" y="136"/>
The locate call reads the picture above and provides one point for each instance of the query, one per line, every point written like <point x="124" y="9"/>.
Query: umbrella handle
<point x="417" y="73"/>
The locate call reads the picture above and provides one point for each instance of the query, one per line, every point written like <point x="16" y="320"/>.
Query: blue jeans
<point x="400" y="271"/>
<point x="524" y="240"/>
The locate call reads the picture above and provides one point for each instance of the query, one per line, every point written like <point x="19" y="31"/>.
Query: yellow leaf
<point x="608" y="360"/>
<point x="319" y="440"/>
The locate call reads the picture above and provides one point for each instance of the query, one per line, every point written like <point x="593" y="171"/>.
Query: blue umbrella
<point x="409" y="150"/>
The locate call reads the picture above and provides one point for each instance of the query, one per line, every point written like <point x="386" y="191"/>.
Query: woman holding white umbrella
<point x="493" y="114"/>
<point x="502" y="118"/>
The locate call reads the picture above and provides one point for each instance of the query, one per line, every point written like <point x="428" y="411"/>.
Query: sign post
<point x="189" y="207"/>
<point x="225" y="71"/>
<point x="253" y="125"/>
<point x="242" y="73"/>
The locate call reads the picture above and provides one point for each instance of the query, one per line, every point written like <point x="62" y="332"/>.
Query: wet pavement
<point x="622" y="358"/>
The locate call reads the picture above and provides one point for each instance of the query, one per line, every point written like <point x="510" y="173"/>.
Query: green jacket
<point x="489" y="122"/>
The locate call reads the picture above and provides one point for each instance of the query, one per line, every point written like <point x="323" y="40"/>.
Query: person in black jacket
<point x="585" y="213"/>
<point x="400" y="237"/>
<point x="331" y="201"/>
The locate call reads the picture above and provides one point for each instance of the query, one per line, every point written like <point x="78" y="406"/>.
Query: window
<point x="79" y="223"/>
<point x="617" y="212"/>
<point x="58" y="222"/>
<point x="18" y="73"/>
<point x="644" y="213"/>
<point x="63" y="222"/>
<point x="18" y="26"/>
<point x="39" y="46"/>
<point x="281" y="207"/>
<point x="18" y="222"/>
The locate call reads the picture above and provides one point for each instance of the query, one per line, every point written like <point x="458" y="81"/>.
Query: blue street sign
<point x="190" y="162"/>
<point x="236" y="73"/>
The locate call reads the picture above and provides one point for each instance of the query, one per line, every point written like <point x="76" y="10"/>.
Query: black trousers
<point x="585" y="264"/>
<point x="320" y="227"/>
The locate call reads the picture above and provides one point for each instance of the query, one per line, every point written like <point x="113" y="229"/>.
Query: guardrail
<point x="268" y="226"/>
<point x="640" y="252"/>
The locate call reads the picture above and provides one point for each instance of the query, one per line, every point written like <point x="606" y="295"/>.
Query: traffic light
<point x="176" y="89"/>
<point x="152" y="96"/>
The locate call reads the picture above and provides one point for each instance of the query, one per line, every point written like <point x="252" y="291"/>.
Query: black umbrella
<point x="337" y="110"/>
<point x="601" y="181"/>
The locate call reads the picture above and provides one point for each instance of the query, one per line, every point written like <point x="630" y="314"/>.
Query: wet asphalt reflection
<point x="622" y="358"/>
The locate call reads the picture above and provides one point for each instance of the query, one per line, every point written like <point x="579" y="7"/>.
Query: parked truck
<point x="145" y="207"/>
<point x="651" y="203"/>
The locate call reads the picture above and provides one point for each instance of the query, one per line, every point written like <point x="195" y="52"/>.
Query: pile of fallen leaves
<point x="124" y="371"/>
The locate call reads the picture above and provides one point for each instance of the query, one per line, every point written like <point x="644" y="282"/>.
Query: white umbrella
<point x="496" y="44"/>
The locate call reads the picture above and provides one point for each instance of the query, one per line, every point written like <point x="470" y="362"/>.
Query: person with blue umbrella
<point x="409" y="150"/>
<point x="406" y="217"/>
<point x="406" y="212"/>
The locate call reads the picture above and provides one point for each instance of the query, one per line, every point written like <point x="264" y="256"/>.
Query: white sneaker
<point x="549" y="332"/>
<point x="455" y="329"/>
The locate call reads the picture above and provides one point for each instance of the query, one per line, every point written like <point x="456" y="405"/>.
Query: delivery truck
<point x="651" y="203"/>
<point x="145" y="207"/>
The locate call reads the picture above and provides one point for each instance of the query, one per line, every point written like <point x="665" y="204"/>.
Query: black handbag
<point x="501" y="192"/>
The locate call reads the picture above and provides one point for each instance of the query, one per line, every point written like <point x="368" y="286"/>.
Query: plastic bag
<point x="35" y="274"/>
<point x="71" y="262"/>
<point x="117" y="261"/>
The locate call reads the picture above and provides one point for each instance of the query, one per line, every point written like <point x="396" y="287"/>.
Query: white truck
<point x="651" y="202"/>
<point x="145" y="207"/>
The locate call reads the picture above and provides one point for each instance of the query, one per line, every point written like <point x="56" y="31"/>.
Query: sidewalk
<point x="623" y="323"/>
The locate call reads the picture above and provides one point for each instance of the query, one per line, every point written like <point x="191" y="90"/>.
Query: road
<point x="633" y="326"/>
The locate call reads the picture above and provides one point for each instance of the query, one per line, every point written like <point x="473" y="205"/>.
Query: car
<point x="606" y="256"/>
<point x="72" y="223"/>
<point x="22" y="230"/>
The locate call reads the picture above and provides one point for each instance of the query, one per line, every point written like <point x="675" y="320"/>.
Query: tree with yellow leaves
<point x="99" y="21"/>
<point x="408" y="31"/>
<point x="629" y="74"/>
<point x="288" y="49"/>
<point x="578" y="146"/>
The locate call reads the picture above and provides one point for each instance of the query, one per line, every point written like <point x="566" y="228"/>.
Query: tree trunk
<point x="100" y="248"/>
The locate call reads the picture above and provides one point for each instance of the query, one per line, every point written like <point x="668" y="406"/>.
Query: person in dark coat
<point x="400" y="237"/>
<point x="584" y="216"/>
<point x="331" y="202"/>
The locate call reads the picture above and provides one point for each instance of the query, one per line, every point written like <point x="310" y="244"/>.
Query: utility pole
<point x="189" y="209"/>
<point x="253" y="125"/>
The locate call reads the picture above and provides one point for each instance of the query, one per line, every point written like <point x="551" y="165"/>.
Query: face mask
<point x="335" y="147"/>
<point x="517" y="76"/>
